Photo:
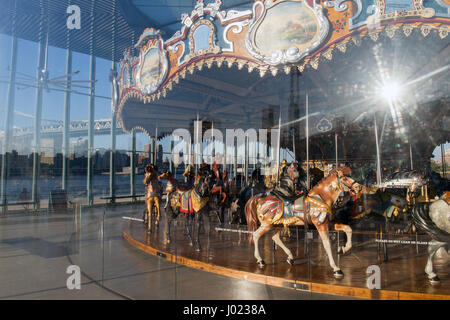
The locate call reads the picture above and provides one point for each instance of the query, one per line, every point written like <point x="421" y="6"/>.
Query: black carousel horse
<point x="255" y="187"/>
<point x="194" y="203"/>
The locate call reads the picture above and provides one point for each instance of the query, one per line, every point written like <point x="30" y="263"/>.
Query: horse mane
<point x="345" y="170"/>
<point x="321" y="181"/>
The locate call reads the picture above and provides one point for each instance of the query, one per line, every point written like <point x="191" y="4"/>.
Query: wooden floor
<point x="229" y="253"/>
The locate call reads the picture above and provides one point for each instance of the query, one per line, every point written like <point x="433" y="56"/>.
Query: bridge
<point x="78" y="128"/>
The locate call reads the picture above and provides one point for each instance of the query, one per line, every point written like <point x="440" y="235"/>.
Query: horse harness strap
<point x="317" y="204"/>
<point x="318" y="209"/>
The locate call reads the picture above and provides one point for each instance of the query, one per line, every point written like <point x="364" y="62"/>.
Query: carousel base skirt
<point x="226" y="251"/>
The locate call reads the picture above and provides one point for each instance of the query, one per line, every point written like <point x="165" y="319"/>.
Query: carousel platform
<point x="226" y="251"/>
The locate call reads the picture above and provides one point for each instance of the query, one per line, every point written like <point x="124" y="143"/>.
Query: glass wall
<point x="373" y="115"/>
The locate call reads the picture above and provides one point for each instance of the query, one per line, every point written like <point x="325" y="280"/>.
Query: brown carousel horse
<point x="152" y="195"/>
<point x="282" y="207"/>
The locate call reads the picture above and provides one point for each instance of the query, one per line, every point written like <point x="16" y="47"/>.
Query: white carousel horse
<point x="434" y="219"/>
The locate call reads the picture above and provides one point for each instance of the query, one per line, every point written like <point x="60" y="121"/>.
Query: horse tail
<point x="251" y="216"/>
<point x="421" y="218"/>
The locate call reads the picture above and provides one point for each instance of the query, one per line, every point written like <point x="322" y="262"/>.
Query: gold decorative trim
<point x="389" y="30"/>
<point x="419" y="11"/>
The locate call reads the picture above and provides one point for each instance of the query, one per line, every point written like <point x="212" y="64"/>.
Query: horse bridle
<point x="340" y="182"/>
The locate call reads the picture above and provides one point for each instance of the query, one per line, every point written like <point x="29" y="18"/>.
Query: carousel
<point x="313" y="122"/>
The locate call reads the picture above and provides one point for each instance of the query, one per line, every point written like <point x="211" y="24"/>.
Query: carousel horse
<point x="315" y="176"/>
<point x="174" y="189"/>
<point x="434" y="219"/>
<point x="152" y="195"/>
<point x="229" y="204"/>
<point x="284" y="207"/>
<point x="194" y="203"/>
<point x="221" y="201"/>
<point x="392" y="201"/>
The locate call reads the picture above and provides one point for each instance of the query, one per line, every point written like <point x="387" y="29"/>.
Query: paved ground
<point x="36" y="250"/>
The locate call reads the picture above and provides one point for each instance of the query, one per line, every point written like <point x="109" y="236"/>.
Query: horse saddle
<point x="284" y="212"/>
<point x="186" y="202"/>
<point x="296" y="210"/>
<point x="191" y="202"/>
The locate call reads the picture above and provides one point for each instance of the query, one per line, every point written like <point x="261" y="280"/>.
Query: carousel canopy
<point x="244" y="69"/>
<point x="165" y="15"/>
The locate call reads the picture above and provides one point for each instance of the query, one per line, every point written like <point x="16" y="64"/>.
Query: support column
<point x="133" y="166"/>
<point x="66" y="129"/>
<point x="112" y="156"/>
<point x="235" y="159"/>
<point x="246" y="148"/>
<point x="378" y="150"/>
<point x="112" y="153"/>
<point x="90" y="160"/>
<point x="152" y="151"/>
<point x="37" y="125"/>
<point x="336" y="148"/>
<point x="170" y="156"/>
<point x="8" y="122"/>
<point x="307" y="142"/>
<point x="92" y="68"/>
<point x="155" y="151"/>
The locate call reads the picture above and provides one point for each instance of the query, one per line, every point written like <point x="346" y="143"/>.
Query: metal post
<point x="66" y="129"/>
<point x="156" y="146"/>
<point x="152" y="151"/>
<point x="307" y="141"/>
<point x="133" y="166"/>
<point x="378" y="150"/>
<point x="196" y="146"/>
<point x="411" y="157"/>
<point x="170" y="157"/>
<point x="112" y="154"/>
<point x="112" y="157"/>
<point x="213" y="147"/>
<point x="246" y="160"/>
<point x="37" y="124"/>
<point x="336" y="148"/>
<point x="293" y="148"/>
<point x="92" y="68"/>
<point x="224" y="155"/>
<point x="8" y="121"/>
<point x="235" y="160"/>
<point x="255" y="154"/>
<point x="90" y="162"/>
<point x="278" y="148"/>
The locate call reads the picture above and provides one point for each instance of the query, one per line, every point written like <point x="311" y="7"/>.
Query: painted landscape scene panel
<point x="151" y="69"/>
<point x="285" y="25"/>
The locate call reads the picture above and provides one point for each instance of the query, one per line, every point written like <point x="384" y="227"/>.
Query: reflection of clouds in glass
<point x="285" y="24"/>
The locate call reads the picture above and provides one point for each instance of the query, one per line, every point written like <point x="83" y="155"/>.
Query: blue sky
<point x="53" y="101"/>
